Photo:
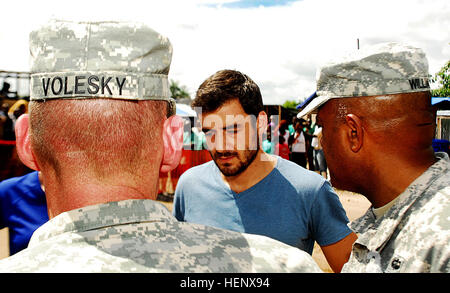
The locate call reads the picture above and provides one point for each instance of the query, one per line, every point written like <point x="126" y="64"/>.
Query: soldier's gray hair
<point x="104" y="136"/>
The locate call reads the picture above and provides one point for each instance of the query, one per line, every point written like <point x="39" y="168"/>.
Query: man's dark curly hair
<point x="226" y="85"/>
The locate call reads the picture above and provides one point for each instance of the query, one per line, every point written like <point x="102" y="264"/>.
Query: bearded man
<point x="244" y="189"/>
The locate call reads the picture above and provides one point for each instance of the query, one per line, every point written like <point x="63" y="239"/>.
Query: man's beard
<point x="228" y="171"/>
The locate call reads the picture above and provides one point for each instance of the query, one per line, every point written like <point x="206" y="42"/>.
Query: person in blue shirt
<point x="23" y="209"/>
<point x="247" y="190"/>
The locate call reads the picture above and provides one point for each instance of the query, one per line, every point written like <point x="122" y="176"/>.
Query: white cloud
<point x="278" y="47"/>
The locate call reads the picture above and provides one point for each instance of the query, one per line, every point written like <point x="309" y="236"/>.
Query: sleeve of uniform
<point x="328" y="218"/>
<point x="270" y="255"/>
<point x="440" y="259"/>
<point x="439" y="254"/>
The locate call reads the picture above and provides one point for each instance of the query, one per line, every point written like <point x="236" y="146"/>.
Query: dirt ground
<point x="354" y="204"/>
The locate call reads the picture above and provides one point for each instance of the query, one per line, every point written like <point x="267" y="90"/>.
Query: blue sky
<point x="252" y="3"/>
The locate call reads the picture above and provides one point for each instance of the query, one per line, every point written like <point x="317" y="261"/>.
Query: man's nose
<point x="226" y="143"/>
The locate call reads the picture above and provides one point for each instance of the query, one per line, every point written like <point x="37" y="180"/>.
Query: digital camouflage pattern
<point x="117" y="60"/>
<point x="414" y="234"/>
<point x="142" y="236"/>
<point x="382" y="69"/>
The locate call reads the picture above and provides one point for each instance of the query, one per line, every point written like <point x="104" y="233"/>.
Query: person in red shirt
<point x="282" y="148"/>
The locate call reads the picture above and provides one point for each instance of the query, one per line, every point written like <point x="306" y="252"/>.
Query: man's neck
<point x="73" y="195"/>
<point x="390" y="182"/>
<point x="261" y="166"/>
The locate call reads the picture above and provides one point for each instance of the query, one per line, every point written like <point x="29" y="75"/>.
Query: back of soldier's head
<point x="99" y="94"/>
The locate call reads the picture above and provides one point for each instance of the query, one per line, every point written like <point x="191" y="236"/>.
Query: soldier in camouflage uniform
<point x="378" y="125"/>
<point x="100" y="131"/>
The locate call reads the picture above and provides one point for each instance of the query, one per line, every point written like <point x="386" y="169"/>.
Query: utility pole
<point x="357" y="43"/>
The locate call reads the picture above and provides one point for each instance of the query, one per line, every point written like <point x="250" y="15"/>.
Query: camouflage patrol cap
<point x="114" y="60"/>
<point x="383" y="69"/>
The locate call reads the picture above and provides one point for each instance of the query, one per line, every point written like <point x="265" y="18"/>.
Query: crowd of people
<point x="98" y="149"/>
<point x="298" y="142"/>
<point x="8" y="117"/>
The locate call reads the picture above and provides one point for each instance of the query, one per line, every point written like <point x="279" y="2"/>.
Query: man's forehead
<point x="232" y="106"/>
<point x="226" y="119"/>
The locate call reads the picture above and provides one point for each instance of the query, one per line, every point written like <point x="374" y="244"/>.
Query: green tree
<point x="291" y="104"/>
<point x="177" y="91"/>
<point x="443" y="78"/>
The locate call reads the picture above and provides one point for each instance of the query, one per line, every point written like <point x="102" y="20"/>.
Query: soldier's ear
<point x="23" y="142"/>
<point x="173" y="143"/>
<point x="355" y="132"/>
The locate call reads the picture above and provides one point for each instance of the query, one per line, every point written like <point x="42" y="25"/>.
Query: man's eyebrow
<point x="228" y="127"/>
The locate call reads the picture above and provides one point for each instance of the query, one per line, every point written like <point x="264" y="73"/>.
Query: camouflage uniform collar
<point x="368" y="226"/>
<point x="102" y="215"/>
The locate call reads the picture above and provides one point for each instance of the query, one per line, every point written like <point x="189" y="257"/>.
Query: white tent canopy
<point x="184" y="110"/>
